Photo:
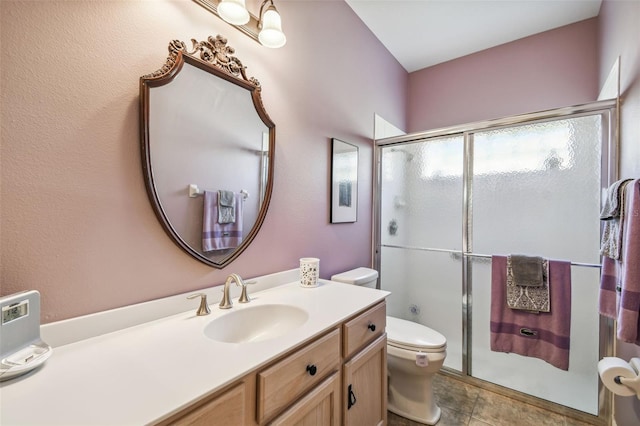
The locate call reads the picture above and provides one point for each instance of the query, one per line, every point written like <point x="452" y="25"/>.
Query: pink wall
<point x="75" y="219"/>
<point x="619" y="35"/>
<point x="552" y="69"/>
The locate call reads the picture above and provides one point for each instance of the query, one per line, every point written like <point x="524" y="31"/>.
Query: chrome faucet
<point x="226" y="303"/>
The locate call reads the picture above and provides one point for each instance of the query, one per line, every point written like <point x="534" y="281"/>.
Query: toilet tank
<point x="366" y="277"/>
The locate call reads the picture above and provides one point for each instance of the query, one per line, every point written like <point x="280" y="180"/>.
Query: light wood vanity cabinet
<point x="340" y="378"/>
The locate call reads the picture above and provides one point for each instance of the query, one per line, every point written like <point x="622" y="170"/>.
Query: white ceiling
<point x="422" y="33"/>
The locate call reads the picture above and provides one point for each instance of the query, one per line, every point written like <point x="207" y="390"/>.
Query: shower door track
<point x="575" y="110"/>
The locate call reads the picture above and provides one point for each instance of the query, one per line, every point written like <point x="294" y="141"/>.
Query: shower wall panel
<point x="536" y="191"/>
<point x="421" y="235"/>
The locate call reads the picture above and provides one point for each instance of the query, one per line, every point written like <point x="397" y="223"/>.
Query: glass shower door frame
<point x="608" y="172"/>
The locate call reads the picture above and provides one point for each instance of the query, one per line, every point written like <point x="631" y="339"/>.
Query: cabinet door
<point x="321" y="406"/>
<point x="233" y="406"/>
<point x="365" y="385"/>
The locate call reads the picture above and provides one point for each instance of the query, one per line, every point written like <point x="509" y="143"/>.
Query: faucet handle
<point x="244" y="296"/>
<point x="203" y="309"/>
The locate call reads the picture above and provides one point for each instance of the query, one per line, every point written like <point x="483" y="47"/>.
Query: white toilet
<point x="414" y="354"/>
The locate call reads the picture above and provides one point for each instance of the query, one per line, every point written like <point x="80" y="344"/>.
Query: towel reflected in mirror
<point x="217" y="235"/>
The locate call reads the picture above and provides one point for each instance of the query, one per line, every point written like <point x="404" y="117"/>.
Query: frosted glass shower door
<point x="536" y="191"/>
<point x="421" y="237"/>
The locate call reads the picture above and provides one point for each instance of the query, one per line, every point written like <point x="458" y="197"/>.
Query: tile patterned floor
<point x="467" y="405"/>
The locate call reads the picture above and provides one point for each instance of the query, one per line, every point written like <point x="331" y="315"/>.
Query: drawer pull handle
<point x="312" y="369"/>
<point x="351" y="400"/>
<point x="371" y="327"/>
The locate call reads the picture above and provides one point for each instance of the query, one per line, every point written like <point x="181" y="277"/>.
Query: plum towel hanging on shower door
<point x="544" y="335"/>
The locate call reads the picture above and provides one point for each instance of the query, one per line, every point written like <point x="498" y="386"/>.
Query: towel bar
<point x="194" y="191"/>
<point x="457" y="254"/>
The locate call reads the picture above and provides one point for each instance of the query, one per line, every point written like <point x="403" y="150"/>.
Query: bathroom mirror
<point x="207" y="150"/>
<point x="344" y="181"/>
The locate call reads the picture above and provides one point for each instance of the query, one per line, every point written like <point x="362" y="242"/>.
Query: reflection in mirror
<point x="344" y="181"/>
<point x="207" y="150"/>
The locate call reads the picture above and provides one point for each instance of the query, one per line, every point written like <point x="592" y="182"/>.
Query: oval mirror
<point x="207" y="150"/>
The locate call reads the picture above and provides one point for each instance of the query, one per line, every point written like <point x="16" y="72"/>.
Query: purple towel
<point x="608" y="297"/>
<point x="545" y="335"/>
<point x="620" y="279"/>
<point x="220" y="236"/>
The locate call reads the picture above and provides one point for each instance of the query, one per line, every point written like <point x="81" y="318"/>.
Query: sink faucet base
<point x="226" y="303"/>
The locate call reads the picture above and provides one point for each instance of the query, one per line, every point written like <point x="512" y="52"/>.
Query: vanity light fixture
<point x="265" y="28"/>
<point x="270" y="26"/>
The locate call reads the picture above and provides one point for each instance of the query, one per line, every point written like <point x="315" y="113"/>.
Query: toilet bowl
<point x="414" y="354"/>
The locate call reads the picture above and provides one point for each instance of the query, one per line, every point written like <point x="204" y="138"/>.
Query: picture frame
<point x="344" y="182"/>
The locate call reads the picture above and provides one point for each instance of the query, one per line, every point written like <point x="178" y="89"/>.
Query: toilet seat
<point x="412" y="336"/>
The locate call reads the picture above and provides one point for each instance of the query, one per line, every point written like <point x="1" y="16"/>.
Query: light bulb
<point x="271" y="34"/>
<point x="233" y="11"/>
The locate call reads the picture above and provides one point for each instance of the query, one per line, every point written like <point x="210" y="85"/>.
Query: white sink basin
<point x="255" y="323"/>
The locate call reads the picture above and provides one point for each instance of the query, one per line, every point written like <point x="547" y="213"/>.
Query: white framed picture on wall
<point x="344" y="182"/>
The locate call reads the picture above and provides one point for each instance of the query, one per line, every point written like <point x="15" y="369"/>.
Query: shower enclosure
<point x="449" y="199"/>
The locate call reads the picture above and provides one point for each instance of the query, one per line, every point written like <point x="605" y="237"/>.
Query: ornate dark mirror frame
<point x="215" y="57"/>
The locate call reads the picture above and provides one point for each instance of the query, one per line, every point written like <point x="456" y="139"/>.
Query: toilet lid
<point x="411" y="335"/>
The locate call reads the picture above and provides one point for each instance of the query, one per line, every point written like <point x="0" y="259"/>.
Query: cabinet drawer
<point x="321" y="406"/>
<point x="282" y="383"/>
<point x="229" y="406"/>
<point x="364" y="328"/>
<point x="235" y="404"/>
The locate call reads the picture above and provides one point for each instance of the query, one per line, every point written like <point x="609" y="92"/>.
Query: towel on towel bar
<point x="613" y="216"/>
<point x="545" y="335"/>
<point x="220" y="236"/>
<point x="226" y="207"/>
<point x="526" y="270"/>
<point x="619" y="297"/>
<point x="528" y="297"/>
<point x="613" y="205"/>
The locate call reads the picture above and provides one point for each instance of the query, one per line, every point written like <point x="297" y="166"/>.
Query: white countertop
<point x="142" y="374"/>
